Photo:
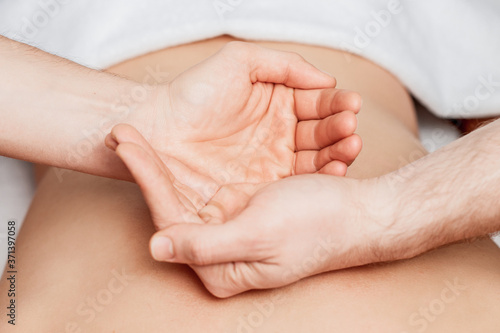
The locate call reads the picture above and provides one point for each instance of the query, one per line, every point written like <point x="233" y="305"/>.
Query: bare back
<point x="84" y="265"/>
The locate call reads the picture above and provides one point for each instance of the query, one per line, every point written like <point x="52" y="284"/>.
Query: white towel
<point x="446" y="52"/>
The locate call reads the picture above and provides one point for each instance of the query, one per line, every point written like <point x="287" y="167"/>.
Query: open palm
<point x="226" y="119"/>
<point x="234" y="118"/>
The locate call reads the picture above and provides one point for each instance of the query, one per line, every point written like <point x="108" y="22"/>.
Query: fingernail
<point x="111" y="142"/>
<point x="162" y="248"/>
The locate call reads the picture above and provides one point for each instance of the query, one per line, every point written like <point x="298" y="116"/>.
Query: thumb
<point x="207" y="244"/>
<point x="155" y="184"/>
<point x="287" y="68"/>
<point x="268" y="65"/>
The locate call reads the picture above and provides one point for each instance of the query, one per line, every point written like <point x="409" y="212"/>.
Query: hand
<point x="252" y="236"/>
<point x="225" y="125"/>
<point x="255" y="236"/>
<point x="287" y="230"/>
<point x="229" y="111"/>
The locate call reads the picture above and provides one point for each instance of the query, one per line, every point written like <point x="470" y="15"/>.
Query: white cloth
<point x="446" y="52"/>
<point x="17" y="187"/>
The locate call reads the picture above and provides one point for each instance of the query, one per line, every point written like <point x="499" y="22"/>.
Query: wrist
<point x="100" y="101"/>
<point x="401" y="222"/>
<point x="141" y="106"/>
<point x="378" y="202"/>
<point x="152" y="117"/>
<point x="366" y="217"/>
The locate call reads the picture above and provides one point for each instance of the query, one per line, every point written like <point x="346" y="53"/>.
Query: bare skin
<point x="80" y="234"/>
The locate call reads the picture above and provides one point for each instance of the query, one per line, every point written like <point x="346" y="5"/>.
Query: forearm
<point x="447" y="196"/>
<point x="56" y="112"/>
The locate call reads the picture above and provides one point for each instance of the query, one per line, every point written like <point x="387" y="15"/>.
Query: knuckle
<point x="227" y="280"/>
<point x="226" y="286"/>
<point x="213" y="279"/>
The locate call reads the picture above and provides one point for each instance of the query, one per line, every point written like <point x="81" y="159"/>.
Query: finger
<point x="334" y="168"/>
<point x="229" y="201"/>
<point x="110" y="142"/>
<point x="196" y="184"/>
<point x="321" y="103"/>
<point x="126" y="133"/>
<point x="205" y="244"/>
<point x="229" y="279"/>
<point x="317" y="134"/>
<point x="304" y="162"/>
<point x="160" y="195"/>
<point x="290" y="69"/>
<point x="122" y="133"/>
<point x="345" y="150"/>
